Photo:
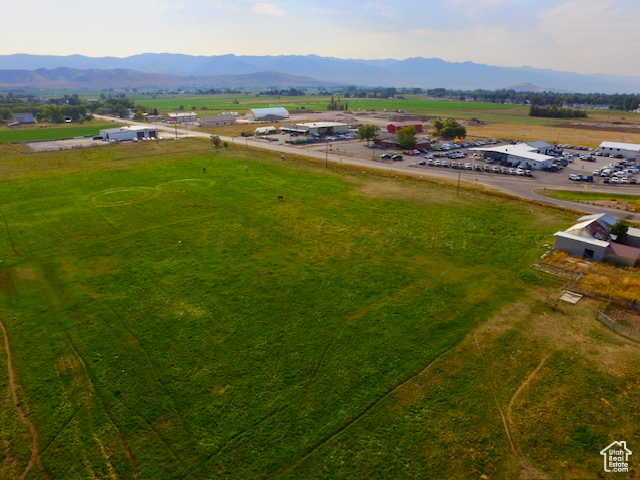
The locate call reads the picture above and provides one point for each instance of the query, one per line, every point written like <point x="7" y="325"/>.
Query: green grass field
<point x="49" y="132"/>
<point x="412" y="104"/>
<point x="170" y="322"/>
<point x="589" y="196"/>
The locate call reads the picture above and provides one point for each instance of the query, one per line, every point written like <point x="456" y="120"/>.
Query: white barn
<point x="317" y="128"/>
<point x="629" y="151"/>
<point x="129" y="133"/>
<point x="590" y="238"/>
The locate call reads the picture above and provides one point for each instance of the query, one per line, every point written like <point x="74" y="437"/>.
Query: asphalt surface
<point x="340" y="153"/>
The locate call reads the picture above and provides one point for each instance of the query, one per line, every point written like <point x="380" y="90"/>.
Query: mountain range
<point x="236" y="71"/>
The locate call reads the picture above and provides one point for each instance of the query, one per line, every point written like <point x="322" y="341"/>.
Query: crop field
<point x="166" y="315"/>
<point x="243" y="102"/>
<point x="49" y="132"/>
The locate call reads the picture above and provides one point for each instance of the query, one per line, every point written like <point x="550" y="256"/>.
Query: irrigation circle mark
<point x="123" y="196"/>
<point x="185" y="184"/>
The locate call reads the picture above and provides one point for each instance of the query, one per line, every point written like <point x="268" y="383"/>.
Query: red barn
<point x="395" y="127"/>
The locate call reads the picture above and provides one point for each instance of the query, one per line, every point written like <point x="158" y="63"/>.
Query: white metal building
<point x="182" y="117"/>
<point x="221" y="120"/>
<point x="128" y="133"/>
<point x="317" y="128"/>
<point x="524" y="154"/>
<point x="627" y="150"/>
<point x="590" y="238"/>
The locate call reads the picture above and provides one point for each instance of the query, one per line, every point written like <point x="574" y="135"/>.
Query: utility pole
<point x="326" y="156"/>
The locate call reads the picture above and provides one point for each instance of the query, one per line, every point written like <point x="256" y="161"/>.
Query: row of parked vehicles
<point x="619" y="173"/>
<point x="477" y="167"/>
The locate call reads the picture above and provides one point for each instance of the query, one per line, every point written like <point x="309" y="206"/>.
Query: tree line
<point x="555" y="111"/>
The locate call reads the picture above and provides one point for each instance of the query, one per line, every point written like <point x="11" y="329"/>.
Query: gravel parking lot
<point x="64" y="144"/>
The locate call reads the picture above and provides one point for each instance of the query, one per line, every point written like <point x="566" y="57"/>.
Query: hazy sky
<point x="585" y="36"/>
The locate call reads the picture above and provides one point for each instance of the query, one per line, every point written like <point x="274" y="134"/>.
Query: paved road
<point x="523" y="187"/>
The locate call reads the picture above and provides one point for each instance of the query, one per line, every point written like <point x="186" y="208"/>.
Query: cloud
<point x="164" y="5"/>
<point x="382" y="9"/>
<point x="269" y="9"/>
<point x="223" y="5"/>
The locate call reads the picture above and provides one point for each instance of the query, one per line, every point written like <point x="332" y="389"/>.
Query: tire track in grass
<point x="403" y="292"/>
<point x="35" y="445"/>
<point x="528" y="471"/>
<point x="6" y="227"/>
<point x="522" y="386"/>
<point x="394" y="388"/>
<point x="127" y="451"/>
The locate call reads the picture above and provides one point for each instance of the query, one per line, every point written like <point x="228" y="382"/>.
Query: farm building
<point x="317" y="128"/>
<point x="128" y="133"/>
<point x="222" y="120"/>
<point x="524" y="154"/>
<point x="23" y="118"/>
<point x="182" y="117"/>
<point x="590" y="238"/>
<point x="396" y="126"/>
<point x="272" y="114"/>
<point x="630" y="151"/>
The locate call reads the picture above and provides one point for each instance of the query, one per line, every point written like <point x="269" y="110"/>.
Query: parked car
<point x="385" y="155"/>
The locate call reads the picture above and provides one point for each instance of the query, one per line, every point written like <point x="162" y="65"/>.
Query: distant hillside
<point x="73" y="78"/>
<point x="164" y="69"/>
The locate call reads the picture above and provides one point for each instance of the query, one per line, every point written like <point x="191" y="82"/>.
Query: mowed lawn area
<point x="40" y="132"/>
<point x="169" y="317"/>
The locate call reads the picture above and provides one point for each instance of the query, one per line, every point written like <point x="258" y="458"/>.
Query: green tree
<point x="407" y="137"/>
<point x="620" y="229"/>
<point x="449" y="129"/>
<point x="215" y="140"/>
<point x="367" y="132"/>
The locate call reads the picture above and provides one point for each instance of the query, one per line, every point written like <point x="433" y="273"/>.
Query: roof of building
<point x="540" y="144"/>
<point x="603" y="218"/>
<point x="128" y="128"/>
<point x="322" y="124"/>
<point x="624" y="251"/>
<point x="592" y="229"/>
<point x="220" y="116"/>
<point x="25" y="117"/>
<point x="587" y="240"/>
<point x="523" y="150"/>
<point x="405" y="124"/>
<point x="182" y="114"/>
<point x="634" y="147"/>
<point x="270" y="111"/>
